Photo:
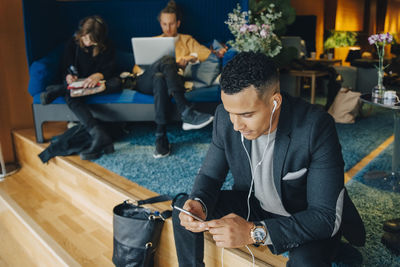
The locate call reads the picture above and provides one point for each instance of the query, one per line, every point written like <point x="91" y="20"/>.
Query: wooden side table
<point x="313" y="74"/>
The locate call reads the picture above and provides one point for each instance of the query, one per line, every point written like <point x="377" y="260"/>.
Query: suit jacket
<point x="308" y="172"/>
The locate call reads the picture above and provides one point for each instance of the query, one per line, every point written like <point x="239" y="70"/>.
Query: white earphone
<point x="252" y="175"/>
<point x="275" y="105"/>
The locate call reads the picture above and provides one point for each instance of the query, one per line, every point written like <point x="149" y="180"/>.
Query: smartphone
<point x="188" y="213"/>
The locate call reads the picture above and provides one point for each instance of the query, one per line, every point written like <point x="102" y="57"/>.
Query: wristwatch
<point x="258" y="233"/>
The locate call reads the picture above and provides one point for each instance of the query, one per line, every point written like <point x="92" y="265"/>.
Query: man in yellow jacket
<point x="161" y="80"/>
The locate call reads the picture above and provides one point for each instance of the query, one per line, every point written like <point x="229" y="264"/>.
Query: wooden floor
<point x="64" y="209"/>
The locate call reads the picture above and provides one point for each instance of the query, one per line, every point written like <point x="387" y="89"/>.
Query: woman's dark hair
<point x="171" y="8"/>
<point x="249" y="68"/>
<point x="96" y="28"/>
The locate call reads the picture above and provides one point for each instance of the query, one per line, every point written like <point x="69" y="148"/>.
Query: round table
<point x="395" y="172"/>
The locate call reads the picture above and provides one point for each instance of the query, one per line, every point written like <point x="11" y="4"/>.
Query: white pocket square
<point x="294" y="175"/>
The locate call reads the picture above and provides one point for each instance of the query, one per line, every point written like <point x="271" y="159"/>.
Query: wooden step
<point x="22" y="241"/>
<point x="94" y="191"/>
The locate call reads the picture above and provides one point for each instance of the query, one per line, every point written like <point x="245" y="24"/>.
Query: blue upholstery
<point x="126" y="19"/>
<point x="44" y="72"/>
<point x="228" y="56"/>
<point x="50" y="23"/>
<point x="206" y="94"/>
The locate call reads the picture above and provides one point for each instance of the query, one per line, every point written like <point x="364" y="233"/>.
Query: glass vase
<point x="379" y="90"/>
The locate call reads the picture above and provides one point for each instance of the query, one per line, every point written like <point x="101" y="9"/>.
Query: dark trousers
<point x="77" y="104"/>
<point x="190" y="246"/>
<point x="162" y="81"/>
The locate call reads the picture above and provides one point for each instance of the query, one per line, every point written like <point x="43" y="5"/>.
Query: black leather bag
<point x="137" y="232"/>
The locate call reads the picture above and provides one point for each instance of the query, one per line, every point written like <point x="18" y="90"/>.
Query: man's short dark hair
<point x="249" y="68"/>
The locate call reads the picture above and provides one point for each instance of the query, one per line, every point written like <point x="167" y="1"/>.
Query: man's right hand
<point x="71" y="78"/>
<point x="183" y="61"/>
<point x="190" y="223"/>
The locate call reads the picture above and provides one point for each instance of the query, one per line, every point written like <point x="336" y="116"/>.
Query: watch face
<point x="259" y="234"/>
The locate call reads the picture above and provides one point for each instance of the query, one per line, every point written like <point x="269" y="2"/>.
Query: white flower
<point x="254" y="34"/>
<point x="263" y="33"/>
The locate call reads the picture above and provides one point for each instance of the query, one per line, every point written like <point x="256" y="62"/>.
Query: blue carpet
<point x="366" y="134"/>
<point x="376" y="203"/>
<point x="133" y="159"/>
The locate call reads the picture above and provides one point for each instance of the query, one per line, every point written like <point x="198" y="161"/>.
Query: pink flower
<point x="383" y="37"/>
<point x="389" y="38"/>
<point x="266" y="27"/>
<point x="253" y="28"/>
<point x="243" y="29"/>
<point x="372" y="39"/>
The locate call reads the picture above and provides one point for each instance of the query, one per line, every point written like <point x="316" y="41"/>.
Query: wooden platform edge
<point x="63" y="258"/>
<point x="118" y="186"/>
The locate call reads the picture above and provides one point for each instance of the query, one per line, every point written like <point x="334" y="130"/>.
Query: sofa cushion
<point x="206" y="94"/>
<point x="126" y="96"/>
<point x="45" y="71"/>
<point x="204" y="72"/>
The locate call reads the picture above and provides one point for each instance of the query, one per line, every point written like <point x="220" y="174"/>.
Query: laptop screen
<point x="147" y="50"/>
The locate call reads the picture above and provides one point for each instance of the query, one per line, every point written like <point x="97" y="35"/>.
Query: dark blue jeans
<point x="190" y="246"/>
<point x="162" y="81"/>
<point x="81" y="110"/>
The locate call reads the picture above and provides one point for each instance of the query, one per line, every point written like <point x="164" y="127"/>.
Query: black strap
<point x="160" y="198"/>
<point x="166" y="214"/>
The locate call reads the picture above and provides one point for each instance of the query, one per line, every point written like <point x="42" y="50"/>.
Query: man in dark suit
<point x="286" y="161"/>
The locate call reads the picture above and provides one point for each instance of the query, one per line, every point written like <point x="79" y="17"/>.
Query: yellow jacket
<point x="184" y="46"/>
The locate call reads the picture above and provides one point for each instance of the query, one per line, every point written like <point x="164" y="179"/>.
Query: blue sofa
<point x="50" y="23"/>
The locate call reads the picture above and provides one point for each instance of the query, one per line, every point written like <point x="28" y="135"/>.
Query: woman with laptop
<point x="89" y="57"/>
<point x="161" y="79"/>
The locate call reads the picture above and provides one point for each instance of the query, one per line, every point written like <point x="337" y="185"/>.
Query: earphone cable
<point x="252" y="179"/>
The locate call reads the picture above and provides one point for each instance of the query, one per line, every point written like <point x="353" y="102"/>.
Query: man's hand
<point x="221" y="52"/>
<point x="188" y="222"/>
<point x="71" y="78"/>
<point x="231" y="231"/>
<point x="92" y="80"/>
<point x="183" y="61"/>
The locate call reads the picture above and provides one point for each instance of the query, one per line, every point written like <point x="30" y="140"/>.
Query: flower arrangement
<point x="254" y="34"/>
<point x="380" y="40"/>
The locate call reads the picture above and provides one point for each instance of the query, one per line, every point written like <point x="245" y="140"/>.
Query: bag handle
<point x="161" y="198"/>
<point x="152" y="200"/>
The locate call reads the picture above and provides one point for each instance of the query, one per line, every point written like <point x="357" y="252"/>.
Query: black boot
<point x="101" y="142"/>
<point x="392" y="241"/>
<point x="392" y="225"/>
<point x="52" y="92"/>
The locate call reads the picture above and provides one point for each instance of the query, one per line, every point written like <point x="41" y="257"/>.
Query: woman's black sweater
<point x="86" y="64"/>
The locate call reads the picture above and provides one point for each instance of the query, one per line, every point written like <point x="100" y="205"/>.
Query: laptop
<point x="147" y="50"/>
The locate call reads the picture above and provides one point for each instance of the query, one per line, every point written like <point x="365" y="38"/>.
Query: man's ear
<point x="178" y="23"/>
<point x="278" y="98"/>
